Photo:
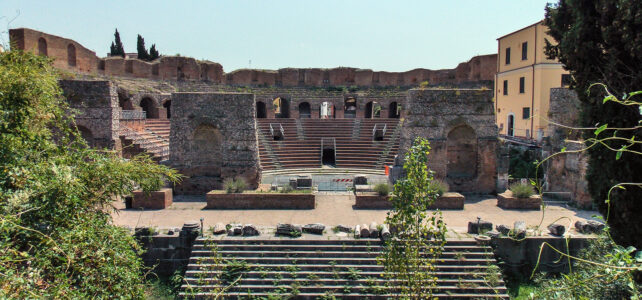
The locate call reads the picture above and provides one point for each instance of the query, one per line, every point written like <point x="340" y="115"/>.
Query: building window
<point x="566" y="80"/>
<point x="508" y="56"/>
<point x="524" y="50"/>
<point x="522" y="84"/>
<point x="526" y="113"/>
<point x="505" y="87"/>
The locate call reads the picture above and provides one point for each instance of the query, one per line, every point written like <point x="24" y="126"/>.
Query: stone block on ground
<point x="503" y="229"/>
<point x="589" y="226"/>
<point x="556" y="229"/>
<point x="219" y="228"/>
<point x="519" y="229"/>
<point x="385" y="233"/>
<point x="357" y="231"/>
<point x="374" y="231"/>
<point x="316" y="228"/>
<point x="160" y="199"/>
<point x="343" y="228"/>
<point x="249" y="230"/>
<point x="360" y="180"/>
<point x="365" y="232"/>
<point x="291" y="230"/>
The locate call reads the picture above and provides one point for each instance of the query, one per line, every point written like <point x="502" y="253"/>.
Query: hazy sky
<point x="372" y="34"/>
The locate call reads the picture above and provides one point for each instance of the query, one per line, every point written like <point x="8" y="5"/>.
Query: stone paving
<point x="337" y="208"/>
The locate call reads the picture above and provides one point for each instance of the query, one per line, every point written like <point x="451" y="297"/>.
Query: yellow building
<point x="523" y="82"/>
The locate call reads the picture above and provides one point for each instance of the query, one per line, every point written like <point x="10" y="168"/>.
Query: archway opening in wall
<point x="350" y="110"/>
<point x="147" y="104"/>
<point x="510" y="129"/>
<point x="328" y="157"/>
<point x="42" y="47"/>
<point x="206" y="146"/>
<point x="367" y="113"/>
<point x="461" y="148"/>
<point x="71" y="55"/>
<point x="394" y="110"/>
<point x="304" y="110"/>
<point x="261" y="112"/>
<point x="86" y="135"/>
<point x="281" y="108"/>
<point x="373" y="110"/>
<point x="326" y="110"/>
<point x="168" y="106"/>
<point x="124" y="102"/>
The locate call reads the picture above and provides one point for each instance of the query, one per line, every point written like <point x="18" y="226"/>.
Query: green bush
<point x="522" y="190"/>
<point x="383" y="189"/>
<point x="438" y="186"/>
<point x="234" y="185"/>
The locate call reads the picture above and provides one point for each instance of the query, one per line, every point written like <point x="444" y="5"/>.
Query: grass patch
<point x="521" y="190"/>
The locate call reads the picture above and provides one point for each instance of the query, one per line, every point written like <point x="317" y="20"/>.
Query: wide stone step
<point x="266" y="254"/>
<point x="464" y="288"/>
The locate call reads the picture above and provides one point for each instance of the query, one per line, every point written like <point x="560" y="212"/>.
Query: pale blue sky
<point x="378" y="35"/>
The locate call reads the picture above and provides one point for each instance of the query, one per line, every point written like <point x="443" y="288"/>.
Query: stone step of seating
<point x="347" y="268"/>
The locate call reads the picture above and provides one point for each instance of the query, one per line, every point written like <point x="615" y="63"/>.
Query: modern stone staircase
<point x="319" y="269"/>
<point x="152" y="139"/>
<point x="301" y="144"/>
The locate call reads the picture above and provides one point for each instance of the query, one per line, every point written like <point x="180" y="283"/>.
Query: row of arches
<point x="373" y="109"/>
<point x="71" y="51"/>
<point x="148" y="105"/>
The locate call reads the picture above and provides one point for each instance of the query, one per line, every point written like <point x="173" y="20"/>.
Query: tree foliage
<point x="418" y="237"/>
<point x="140" y="47"/>
<point x="601" y="41"/>
<point x="116" y="48"/>
<point x="56" y="194"/>
<point x="153" y="53"/>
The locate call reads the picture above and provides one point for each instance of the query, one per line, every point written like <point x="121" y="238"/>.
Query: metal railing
<point x="133" y="114"/>
<point x="374" y="129"/>
<point x="280" y="129"/>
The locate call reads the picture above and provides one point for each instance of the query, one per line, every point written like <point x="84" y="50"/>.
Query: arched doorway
<point x="281" y="108"/>
<point x="510" y="129"/>
<point x="124" y="102"/>
<point x="168" y="105"/>
<point x="350" y="110"/>
<point x="148" y="105"/>
<point x="461" y="147"/>
<point x="42" y="47"/>
<point x="207" y="146"/>
<point x="304" y="110"/>
<point x="394" y="110"/>
<point x="373" y="110"/>
<point x="261" y="112"/>
<point x="326" y="110"/>
<point x="71" y="55"/>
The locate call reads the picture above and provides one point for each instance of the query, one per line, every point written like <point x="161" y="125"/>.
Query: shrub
<point x="438" y="186"/>
<point x="383" y="189"/>
<point x="522" y="190"/>
<point x="234" y="185"/>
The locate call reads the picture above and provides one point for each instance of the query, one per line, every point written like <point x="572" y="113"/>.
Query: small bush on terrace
<point x="438" y="186"/>
<point x="383" y="189"/>
<point x="522" y="190"/>
<point x="234" y="185"/>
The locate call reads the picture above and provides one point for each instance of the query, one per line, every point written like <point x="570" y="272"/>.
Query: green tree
<point x="418" y="237"/>
<point x="56" y="195"/>
<point x="140" y="47"/>
<point x="153" y="53"/>
<point x="116" y="47"/>
<point x="601" y="41"/>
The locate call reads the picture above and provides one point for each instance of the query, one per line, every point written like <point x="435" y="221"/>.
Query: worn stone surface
<point x="460" y="126"/>
<point x="292" y="230"/>
<point x="385" y="233"/>
<point x="218" y="200"/>
<point x="213" y="137"/>
<point x="589" y="226"/>
<point x="365" y="231"/>
<point x="160" y="199"/>
<point x="556" y="229"/>
<point x="249" y="230"/>
<point x="503" y="229"/>
<point x="566" y="172"/>
<point x="374" y="231"/>
<point x="506" y="200"/>
<point x="343" y="228"/>
<point x="316" y="228"/>
<point x="219" y="228"/>
<point x="357" y="231"/>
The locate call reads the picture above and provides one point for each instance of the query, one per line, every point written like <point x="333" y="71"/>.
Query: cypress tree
<point x="117" y="46"/>
<point x="601" y="41"/>
<point x="140" y="47"/>
<point x="153" y="53"/>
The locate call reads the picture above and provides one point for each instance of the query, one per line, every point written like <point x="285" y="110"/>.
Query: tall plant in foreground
<point x="418" y="237"/>
<point x="56" y="194"/>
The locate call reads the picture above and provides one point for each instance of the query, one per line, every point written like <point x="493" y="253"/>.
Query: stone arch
<point x="373" y="110"/>
<point x="261" y="110"/>
<point x="42" y="46"/>
<point x="71" y="55"/>
<point x="461" y="152"/>
<point x="207" y="142"/>
<point x="281" y="107"/>
<point x="86" y="134"/>
<point x="304" y="110"/>
<point x="394" y="110"/>
<point x="149" y="106"/>
<point x="124" y="101"/>
<point x="167" y="104"/>
<point x="350" y="108"/>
